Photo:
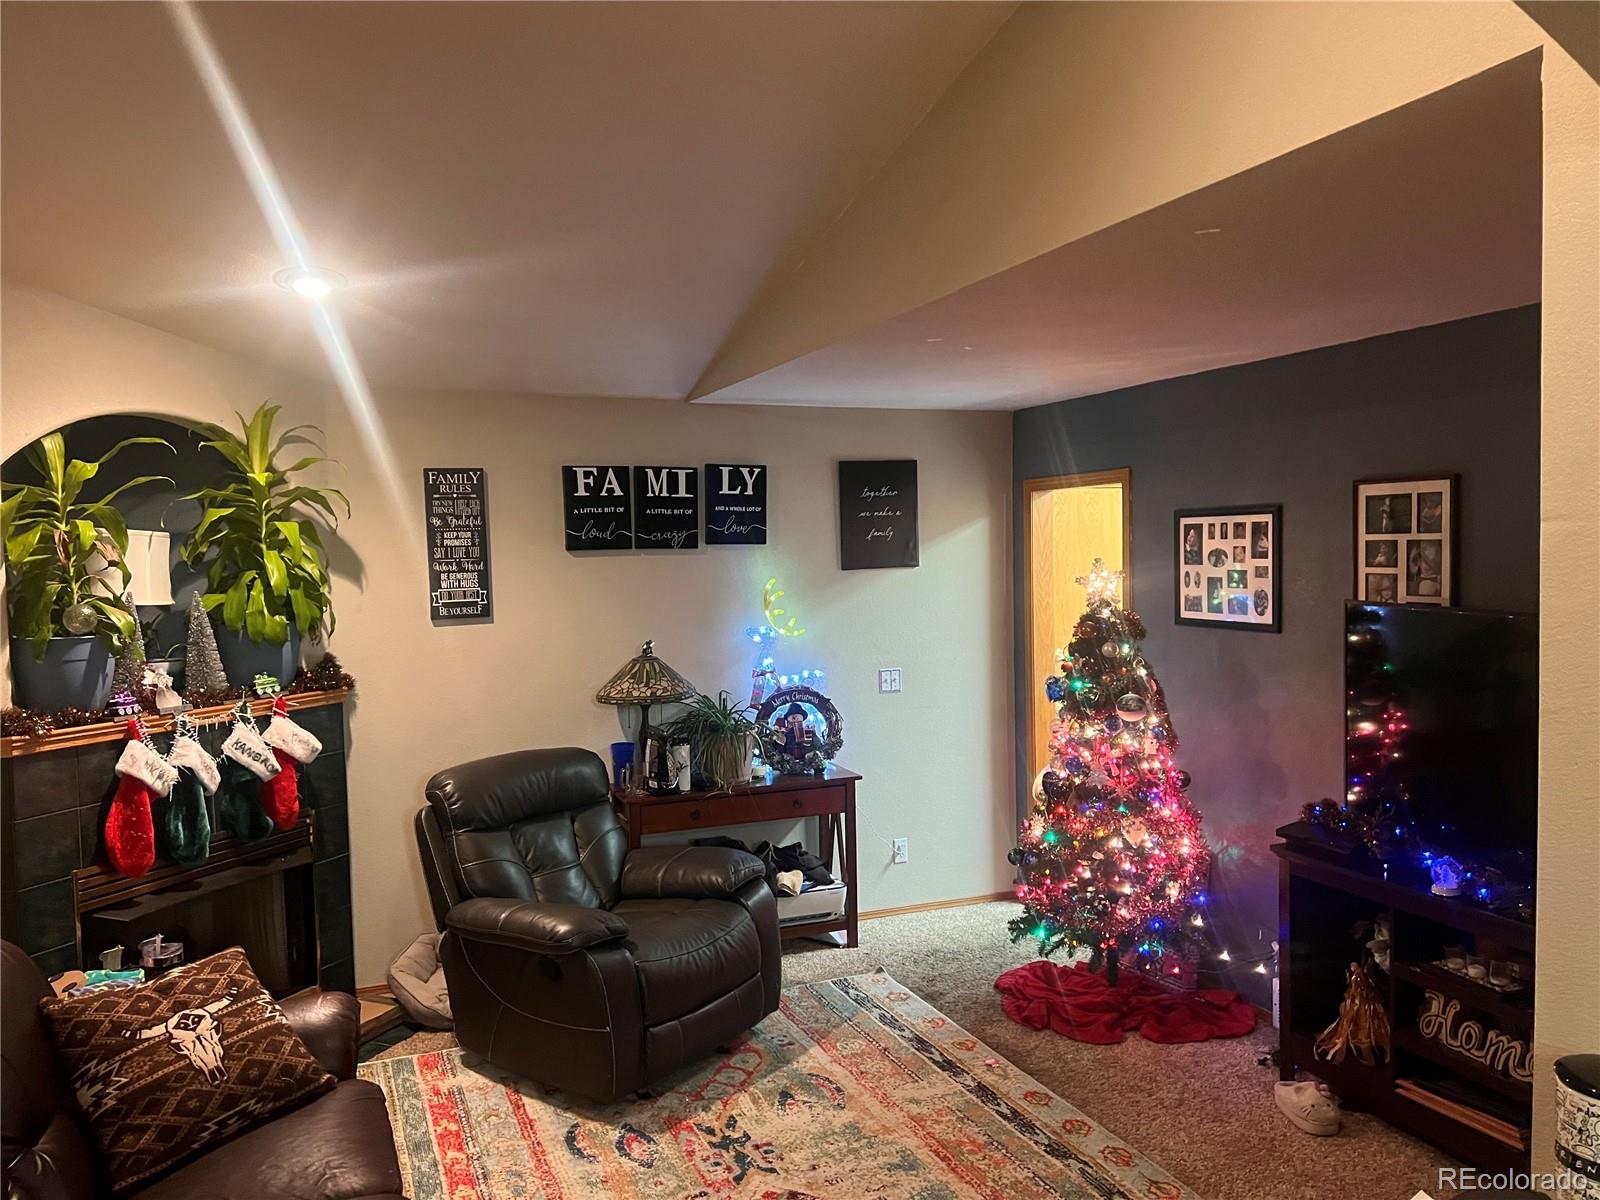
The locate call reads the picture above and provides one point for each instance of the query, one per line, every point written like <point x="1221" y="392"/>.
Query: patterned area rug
<point x="854" y="1088"/>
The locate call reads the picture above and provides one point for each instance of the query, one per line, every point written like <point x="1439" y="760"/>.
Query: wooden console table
<point x="830" y="797"/>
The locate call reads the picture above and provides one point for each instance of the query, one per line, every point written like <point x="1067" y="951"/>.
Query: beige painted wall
<point x="1567" y="999"/>
<point x="936" y="757"/>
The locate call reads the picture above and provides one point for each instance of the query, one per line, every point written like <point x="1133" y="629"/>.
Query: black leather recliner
<point x="572" y="961"/>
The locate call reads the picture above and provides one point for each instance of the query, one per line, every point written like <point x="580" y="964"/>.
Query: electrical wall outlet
<point x="902" y="850"/>
<point x="889" y="679"/>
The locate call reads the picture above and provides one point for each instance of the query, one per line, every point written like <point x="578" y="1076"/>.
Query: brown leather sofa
<point x="335" y="1147"/>
<point x="571" y="961"/>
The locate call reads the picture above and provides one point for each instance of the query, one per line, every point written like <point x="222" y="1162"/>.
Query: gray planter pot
<point x="243" y="659"/>
<point x="75" y="673"/>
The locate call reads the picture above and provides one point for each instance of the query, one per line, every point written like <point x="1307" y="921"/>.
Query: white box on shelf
<point x="814" y="904"/>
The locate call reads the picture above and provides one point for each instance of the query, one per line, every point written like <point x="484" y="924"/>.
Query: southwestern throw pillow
<point x="171" y="1067"/>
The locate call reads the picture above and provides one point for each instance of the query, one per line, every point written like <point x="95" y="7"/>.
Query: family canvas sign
<point x="619" y="507"/>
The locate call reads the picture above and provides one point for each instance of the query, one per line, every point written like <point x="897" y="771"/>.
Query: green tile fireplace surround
<point x="289" y="893"/>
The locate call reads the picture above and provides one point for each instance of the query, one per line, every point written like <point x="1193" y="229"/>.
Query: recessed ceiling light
<point x="933" y="339"/>
<point x="966" y="347"/>
<point x="312" y="283"/>
<point x="1203" y="231"/>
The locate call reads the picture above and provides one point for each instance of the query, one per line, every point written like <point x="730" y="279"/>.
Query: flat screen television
<point x="1442" y="719"/>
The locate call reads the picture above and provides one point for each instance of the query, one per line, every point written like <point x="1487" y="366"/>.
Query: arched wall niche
<point x="158" y="506"/>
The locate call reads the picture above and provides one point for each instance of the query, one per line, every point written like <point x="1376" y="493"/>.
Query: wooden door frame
<point x="1052" y="483"/>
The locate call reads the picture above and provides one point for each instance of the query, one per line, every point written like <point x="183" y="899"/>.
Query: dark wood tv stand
<point x="1321" y="895"/>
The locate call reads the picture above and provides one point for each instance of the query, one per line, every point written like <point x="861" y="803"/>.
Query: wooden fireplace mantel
<point x="115" y="731"/>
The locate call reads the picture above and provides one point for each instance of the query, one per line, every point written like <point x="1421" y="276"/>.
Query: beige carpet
<point x="1204" y="1111"/>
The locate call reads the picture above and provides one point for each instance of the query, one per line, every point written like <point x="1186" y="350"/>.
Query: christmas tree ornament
<point x="1037" y="791"/>
<point x="142" y="774"/>
<point x="80" y="619"/>
<point x="292" y="746"/>
<point x="1132" y="709"/>
<point x="203" y="671"/>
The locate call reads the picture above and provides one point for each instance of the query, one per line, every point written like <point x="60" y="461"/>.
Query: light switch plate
<point x="888" y="679"/>
<point x="902" y="850"/>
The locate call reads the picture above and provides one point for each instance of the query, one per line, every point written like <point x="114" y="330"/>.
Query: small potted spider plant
<point x="722" y="735"/>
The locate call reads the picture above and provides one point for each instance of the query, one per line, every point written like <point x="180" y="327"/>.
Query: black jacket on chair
<point x="570" y="960"/>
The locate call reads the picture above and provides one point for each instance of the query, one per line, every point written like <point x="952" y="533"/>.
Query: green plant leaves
<point x="51" y="538"/>
<point x="258" y="532"/>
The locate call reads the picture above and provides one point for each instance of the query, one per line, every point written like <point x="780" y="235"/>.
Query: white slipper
<point x="1310" y="1105"/>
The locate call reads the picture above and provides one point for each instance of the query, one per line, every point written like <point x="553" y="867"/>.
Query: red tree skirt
<point x="1077" y="1003"/>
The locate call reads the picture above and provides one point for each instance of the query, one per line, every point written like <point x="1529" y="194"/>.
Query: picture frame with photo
<point x="1406" y="538"/>
<point x="1228" y="567"/>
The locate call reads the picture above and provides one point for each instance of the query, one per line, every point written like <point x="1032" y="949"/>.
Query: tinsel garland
<point x="326" y="676"/>
<point x="1389" y="838"/>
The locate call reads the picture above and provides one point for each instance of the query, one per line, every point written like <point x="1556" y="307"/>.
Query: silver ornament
<point x="80" y="618"/>
<point x="1132" y="709"/>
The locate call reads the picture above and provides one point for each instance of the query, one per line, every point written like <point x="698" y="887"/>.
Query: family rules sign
<point x="456" y="513"/>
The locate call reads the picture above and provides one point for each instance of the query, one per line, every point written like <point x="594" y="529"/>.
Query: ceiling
<point x="583" y="199"/>
<point x="1428" y="213"/>
<point x="574" y="199"/>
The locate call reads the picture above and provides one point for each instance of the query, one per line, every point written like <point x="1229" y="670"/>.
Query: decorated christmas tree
<point x="1111" y="857"/>
<point x="203" y="673"/>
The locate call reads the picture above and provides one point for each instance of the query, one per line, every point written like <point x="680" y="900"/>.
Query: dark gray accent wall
<point x="1260" y="715"/>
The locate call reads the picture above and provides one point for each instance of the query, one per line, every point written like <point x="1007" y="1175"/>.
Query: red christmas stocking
<point x="130" y="828"/>
<point x="280" y="795"/>
<point x="291" y="746"/>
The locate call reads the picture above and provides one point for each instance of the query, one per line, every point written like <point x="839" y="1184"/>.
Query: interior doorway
<point x="1071" y="521"/>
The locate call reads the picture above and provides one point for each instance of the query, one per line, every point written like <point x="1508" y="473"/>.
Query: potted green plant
<point x="67" y="575"/>
<point x="722" y="736"/>
<point x="266" y="568"/>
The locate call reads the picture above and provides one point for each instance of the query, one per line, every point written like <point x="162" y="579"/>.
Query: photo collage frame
<point x="1405" y="540"/>
<point x="1228" y="567"/>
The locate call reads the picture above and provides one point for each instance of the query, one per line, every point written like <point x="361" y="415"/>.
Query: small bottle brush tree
<point x="203" y="671"/>
<point x="1111" y="856"/>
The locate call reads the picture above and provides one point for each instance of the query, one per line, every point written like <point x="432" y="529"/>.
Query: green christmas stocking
<point x="239" y="808"/>
<point x="185" y="821"/>
<point x="185" y="824"/>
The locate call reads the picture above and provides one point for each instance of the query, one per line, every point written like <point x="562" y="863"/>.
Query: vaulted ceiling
<point x="618" y="199"/>
<point x="560" y="198"/>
